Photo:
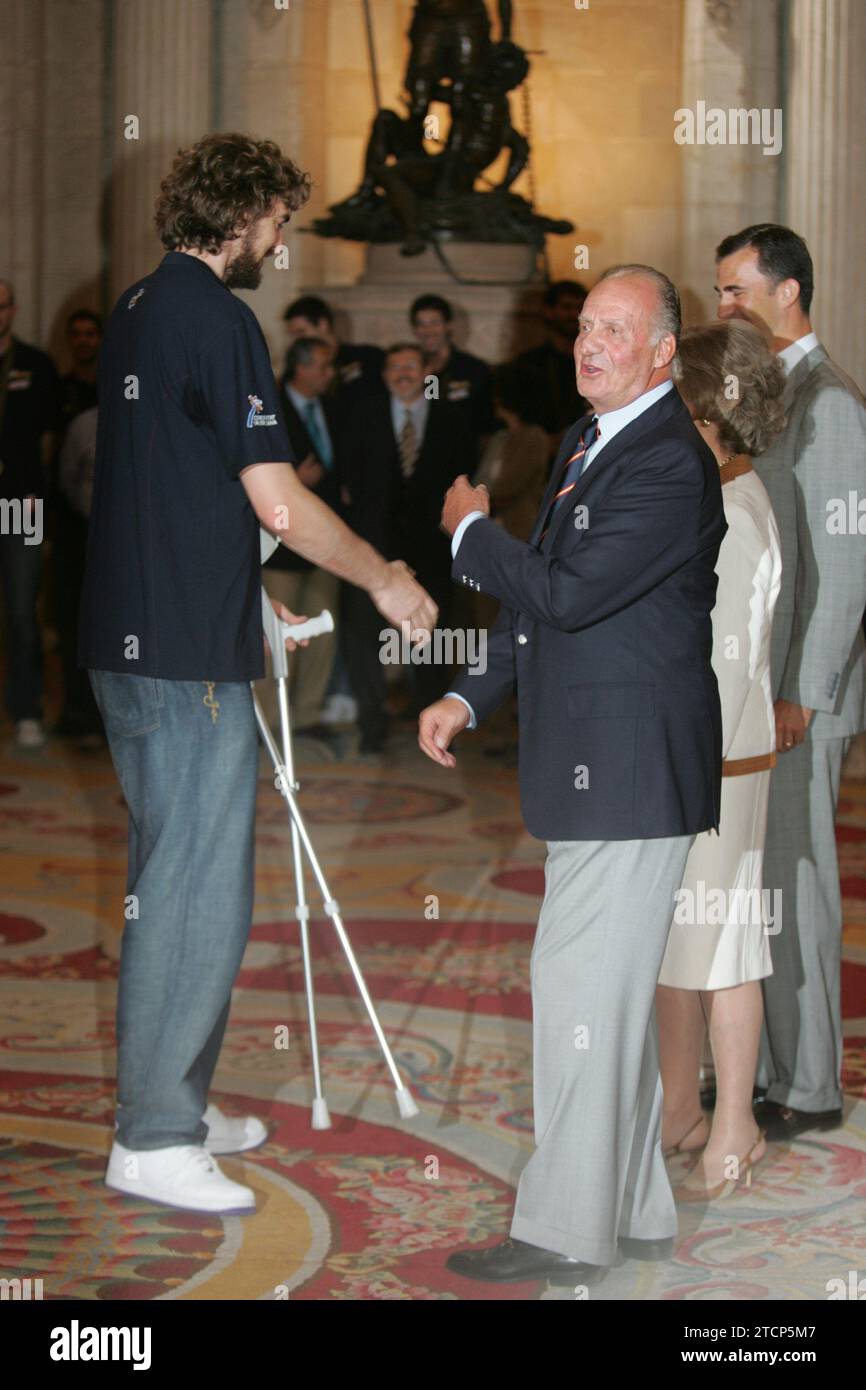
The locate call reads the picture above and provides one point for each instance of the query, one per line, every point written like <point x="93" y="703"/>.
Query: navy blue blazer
<point x="605" y="630"/>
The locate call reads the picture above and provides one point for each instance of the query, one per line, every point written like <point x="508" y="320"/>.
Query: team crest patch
<point x="133" y="299"/>
<point x="255" y="416"/>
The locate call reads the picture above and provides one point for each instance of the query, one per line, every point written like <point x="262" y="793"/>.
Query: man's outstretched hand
<point x="438" y="725"/>
<point x="401" y="599"/>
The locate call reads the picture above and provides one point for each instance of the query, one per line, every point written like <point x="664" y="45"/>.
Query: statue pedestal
<point x="495" y="316"/>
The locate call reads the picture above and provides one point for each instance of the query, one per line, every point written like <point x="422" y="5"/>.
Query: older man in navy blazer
<point x="605" y="633"/>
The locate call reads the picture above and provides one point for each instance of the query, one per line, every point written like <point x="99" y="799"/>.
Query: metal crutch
<point x="276" y="632"/>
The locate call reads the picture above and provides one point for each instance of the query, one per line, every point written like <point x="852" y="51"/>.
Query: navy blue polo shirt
<point x="187" y="400"/>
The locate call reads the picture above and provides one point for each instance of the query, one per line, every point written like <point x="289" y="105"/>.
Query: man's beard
<point x="245" y="271"/>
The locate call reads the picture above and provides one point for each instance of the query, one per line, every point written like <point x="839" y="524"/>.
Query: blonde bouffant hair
<point x="728" y="374"/>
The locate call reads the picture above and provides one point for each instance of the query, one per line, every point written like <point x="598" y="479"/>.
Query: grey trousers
<point x="597" y="1172"/>
<point x="801" y="1047"/>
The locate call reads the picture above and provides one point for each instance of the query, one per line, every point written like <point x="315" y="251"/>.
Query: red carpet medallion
<point x="439" y="886"/>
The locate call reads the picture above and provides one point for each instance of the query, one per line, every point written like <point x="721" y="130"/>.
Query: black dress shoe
<point x="782" y="1123"/>
<point x="516" y="1262"/>
<point x="634" y="1249"/>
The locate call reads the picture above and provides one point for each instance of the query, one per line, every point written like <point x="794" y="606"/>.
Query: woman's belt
<point x="740" y="767"/>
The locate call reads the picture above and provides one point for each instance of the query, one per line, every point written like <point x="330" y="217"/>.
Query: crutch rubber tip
<point x="405" y="1103"/>
<point x="321" y="1118"/>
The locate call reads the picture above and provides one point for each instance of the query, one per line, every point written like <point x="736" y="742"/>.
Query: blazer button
<point x="522" y="640"/>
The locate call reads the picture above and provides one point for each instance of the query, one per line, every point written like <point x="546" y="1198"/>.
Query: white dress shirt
<point x="791" y="355"/>
<point x="418" y="409"/>
<point x="609" y="424"/>
<point x="302" y="405"/>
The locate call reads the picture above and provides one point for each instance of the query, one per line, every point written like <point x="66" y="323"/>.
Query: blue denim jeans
<point x="186" y="756"/>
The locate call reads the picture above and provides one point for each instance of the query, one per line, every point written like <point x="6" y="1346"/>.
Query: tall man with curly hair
<point x="192" y="457"/>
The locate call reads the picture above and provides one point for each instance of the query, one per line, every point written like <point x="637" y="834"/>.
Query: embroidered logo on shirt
<point x="133" y="299"/>
<point x="255" y="416"/>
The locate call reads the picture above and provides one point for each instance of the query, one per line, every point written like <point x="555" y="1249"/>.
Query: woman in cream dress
<point x="718" y="950"/>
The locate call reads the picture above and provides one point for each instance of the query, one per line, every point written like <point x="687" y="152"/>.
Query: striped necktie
<point x="572" y="469"/>
<point x="408" y="446"/>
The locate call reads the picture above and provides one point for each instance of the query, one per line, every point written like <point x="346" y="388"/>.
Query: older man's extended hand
<point x="461" y="499"/>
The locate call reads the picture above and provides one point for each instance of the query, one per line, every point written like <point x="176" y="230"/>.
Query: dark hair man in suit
<point x="312" y="422"/>
<point x="463" y="378"/>
<point x="818" y="665"/>
<point x="559" y="400"/>
<point x="605" y="632"/>
<point x="403" y="451"/>
<point x="357" y="366"/>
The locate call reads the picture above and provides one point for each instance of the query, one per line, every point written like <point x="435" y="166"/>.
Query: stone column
<point x="825" y="169"/>
<point x="274" y="84"/>
<point x="730" y="61"/>
<point x="160" y="60"/>
<point x="50" y="165"/>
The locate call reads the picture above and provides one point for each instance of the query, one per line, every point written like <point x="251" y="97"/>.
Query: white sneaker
<point x="182" y="1175"/>
<point x="228" y="1136"/>
<point x="29" y="734"/>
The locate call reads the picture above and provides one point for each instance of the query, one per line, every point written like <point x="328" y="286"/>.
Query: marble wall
<point x="607" y="78"/>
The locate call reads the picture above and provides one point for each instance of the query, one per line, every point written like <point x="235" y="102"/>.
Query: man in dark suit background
<point x="463" y="378"/>
<point x="312" y="421"/>
<point x="357" y="366"/>
<point x="403" y="451"/>
<point x="551" y="364"/>
<point x="605" y="632"/>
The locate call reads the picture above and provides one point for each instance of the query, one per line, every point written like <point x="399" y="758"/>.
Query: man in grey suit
<point x="812" y="472"/>
<point x="605" y="633"/>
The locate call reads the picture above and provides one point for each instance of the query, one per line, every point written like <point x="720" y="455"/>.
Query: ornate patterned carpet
<point x="439" y="886"/>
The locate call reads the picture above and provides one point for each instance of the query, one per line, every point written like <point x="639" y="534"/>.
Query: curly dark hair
<point x="727" y="372"/>
<point x="220" y="185"/>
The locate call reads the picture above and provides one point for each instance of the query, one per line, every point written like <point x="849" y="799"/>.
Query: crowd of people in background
<point x="379" y="433"/>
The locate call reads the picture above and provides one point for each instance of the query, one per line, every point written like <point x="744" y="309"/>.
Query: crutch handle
<point x="313" y="627"/>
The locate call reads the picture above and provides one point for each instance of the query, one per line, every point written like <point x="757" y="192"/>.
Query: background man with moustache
<point x="818" y="667"/>
<point x="605" y="631"/>
<point x="402" y="453"/>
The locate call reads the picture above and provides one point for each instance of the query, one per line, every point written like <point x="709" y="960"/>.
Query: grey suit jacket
<point x="815" y="473"/>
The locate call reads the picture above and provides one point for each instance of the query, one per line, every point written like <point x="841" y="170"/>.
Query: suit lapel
<point x="298" y="432"/>
<point x="566" y="449"/>
<point x="799" y="373"/>
<point x="647" y="420"/>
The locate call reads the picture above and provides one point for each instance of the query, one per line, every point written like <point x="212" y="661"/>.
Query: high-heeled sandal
<point x="678" y="1146"/>
<point x="685" y="1192"/>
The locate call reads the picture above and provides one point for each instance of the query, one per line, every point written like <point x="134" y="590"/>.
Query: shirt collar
<point x="418" y="411"/>
<point x="791" y="355"/>
<point x="615" y="420"/>
<point x="298" y="401"/>
<point x="184" y="260"/>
